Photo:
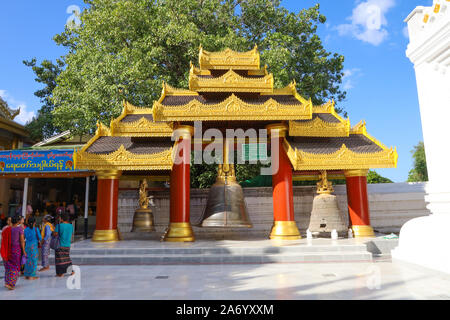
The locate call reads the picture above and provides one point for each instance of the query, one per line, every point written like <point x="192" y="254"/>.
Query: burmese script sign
<point x="13" y="161"/>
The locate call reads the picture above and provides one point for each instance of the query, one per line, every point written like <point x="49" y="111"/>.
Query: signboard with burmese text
<point x="19" y="161"/>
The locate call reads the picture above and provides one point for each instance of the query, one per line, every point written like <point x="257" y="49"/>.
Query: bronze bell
<point x="226" y="205"/>
<point x="325" y="215"/>
<point x="143" y="217"/>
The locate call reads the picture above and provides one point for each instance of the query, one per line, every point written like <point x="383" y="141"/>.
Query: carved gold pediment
<point x="342" y="159"/>
<point x="230" y="82"/>
<point x="232" y="108"/>
<point x="143" y="128"/>
<point x="319" y="128"/>
<point x="229" y="59"/>
<point x="121" y="159"/>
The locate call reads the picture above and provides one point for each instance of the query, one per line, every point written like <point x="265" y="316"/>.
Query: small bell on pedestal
<point x="325" y="215"/>
<point x="143" y="217"/>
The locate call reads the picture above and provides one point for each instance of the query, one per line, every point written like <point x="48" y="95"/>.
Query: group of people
<point x="21" y="241"/>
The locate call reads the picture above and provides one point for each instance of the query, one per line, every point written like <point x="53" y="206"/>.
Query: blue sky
<point x="380" y="80"/>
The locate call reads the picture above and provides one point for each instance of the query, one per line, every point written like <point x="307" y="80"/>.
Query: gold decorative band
<point x="356" y="173"/>
<point x="183" y="131"/>
<point x="106" y="236"/>
<point x="108" y="174"/>
<point x="363" y="231"/>
<point x="285" y="230"/>
<point x="179" y="232"/>
<point x="281" y="128"/>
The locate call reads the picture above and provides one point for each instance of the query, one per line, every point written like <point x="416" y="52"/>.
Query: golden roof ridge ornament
<point x="229" y="59"/>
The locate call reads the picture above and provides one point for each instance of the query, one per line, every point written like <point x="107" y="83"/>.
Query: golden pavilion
<point x="230" y="90"/>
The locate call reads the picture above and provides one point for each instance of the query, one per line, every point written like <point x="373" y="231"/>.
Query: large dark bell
<point x="143" y="221"/>
<point x="226" y="206"/>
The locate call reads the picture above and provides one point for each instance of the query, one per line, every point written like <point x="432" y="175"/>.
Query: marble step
<point x="165" y="251"/>
<point x="157" y="259"/>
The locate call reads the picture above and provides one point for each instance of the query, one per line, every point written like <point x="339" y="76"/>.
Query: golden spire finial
<point x="323" y="185"/>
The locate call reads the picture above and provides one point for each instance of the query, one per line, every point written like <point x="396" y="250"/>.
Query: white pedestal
<point x="425" y="241"/>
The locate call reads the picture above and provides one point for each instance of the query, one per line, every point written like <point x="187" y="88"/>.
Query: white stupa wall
<point x="425" y="240"/>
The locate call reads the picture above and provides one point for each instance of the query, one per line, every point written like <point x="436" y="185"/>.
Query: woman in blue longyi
<point x="32" y="240"/>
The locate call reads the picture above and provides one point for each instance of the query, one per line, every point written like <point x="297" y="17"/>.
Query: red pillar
<point x="107" y="207"/>
<point x="358" y="203"/>
<point x="180" y="229"/>
<point x="284" y="227"/>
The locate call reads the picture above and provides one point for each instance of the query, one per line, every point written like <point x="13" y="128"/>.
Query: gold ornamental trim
<point x="108" y="174"/>
<point x="356" y="173"/>
<point x="290" y="89"/>
<point x="284" y="230"/>
<point x="168" y="90"/>
<point x="184" y="131"/>
<point x="231" y="108"/>
<point x="230" y="82"/>
<point x="143" y="128"/>
<point x="140" y="128"/>
<point x="229" y="59"/>
<point x="101" y="131"/>
<point x="121" y="159"/>
<point x="319" y="128"/>
<point x="106" y="236"/>
<point x="342" y="159"/>
<point x="363" y="231"/>
<point x="360" y="128"/>
<point x="179" y="232"/>
<point x="280" y="128"/>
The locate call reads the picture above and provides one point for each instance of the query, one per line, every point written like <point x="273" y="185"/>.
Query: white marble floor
<point x="377" y="280"/>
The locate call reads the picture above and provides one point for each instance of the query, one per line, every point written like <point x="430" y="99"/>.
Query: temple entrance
<point x="230" y="91"/>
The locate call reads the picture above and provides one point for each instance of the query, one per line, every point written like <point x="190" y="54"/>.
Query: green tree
<point x="374" y="177"/>
<point x="42" y="126"/>
<point x="419" y="171"/>
<point x="125" y="49"/>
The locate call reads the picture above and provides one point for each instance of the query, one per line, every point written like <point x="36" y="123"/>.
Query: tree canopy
<point x="125" y="49"/>
<point x="375" y="177"/>
<point x="42" y="126"/>
<point x="419" y="171"/>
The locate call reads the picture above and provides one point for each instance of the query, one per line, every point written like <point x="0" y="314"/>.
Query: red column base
<point x="358" y="203"/>
<point x="107" y="207"/>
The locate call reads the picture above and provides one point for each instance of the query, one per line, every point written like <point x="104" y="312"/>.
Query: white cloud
<point x="368" y="21"/>
<point x="348" y="80"/>
<point x="24" y="115"/>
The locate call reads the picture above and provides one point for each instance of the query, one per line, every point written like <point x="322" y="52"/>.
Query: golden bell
<point x="226" y="206"/>
<point x="143" y="221"/>
<point x="143" y="217"/>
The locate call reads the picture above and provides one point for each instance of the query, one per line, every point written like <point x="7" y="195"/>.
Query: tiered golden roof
<point x="232" y="86"/>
